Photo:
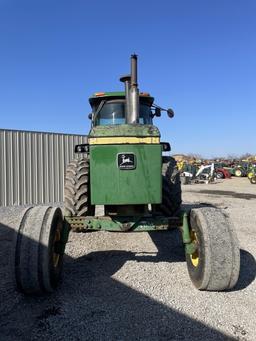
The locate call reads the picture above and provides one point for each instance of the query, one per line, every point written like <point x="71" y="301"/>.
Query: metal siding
<point x="32" y="166"/>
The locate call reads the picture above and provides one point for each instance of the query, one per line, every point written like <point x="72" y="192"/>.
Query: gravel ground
<point x="135" y="286"/>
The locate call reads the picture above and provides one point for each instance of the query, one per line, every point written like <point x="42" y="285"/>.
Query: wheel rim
<point x="238" y="172"/>
<point x="250" y="175"/>
<point x="194" y="257"/>
<point x="56" y="240"/>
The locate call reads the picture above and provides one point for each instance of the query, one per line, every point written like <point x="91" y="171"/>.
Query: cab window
<point x="113" y="112"/>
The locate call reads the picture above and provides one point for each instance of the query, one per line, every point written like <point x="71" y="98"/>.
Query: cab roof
<point x="98" y="96"/>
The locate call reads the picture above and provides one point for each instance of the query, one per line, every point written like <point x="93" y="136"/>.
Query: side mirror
<point x="90" y="116"/>
<point x="170" y="113"/>
<point x="157" y="112"/>
<point x="165" y="146"/>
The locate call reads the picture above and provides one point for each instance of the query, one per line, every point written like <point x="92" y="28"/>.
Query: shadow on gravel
<point x="90" y="305"/>
<point x="232" y="194"/>
<point x="168" y="243"/>
<point x="247" y="270"/>
<point x="188" y="207"/>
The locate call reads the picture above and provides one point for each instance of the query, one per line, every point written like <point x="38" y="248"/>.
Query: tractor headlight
<point x="82" y="148"/>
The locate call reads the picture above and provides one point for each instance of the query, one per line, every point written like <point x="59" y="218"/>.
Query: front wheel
<point x="219" y="175"/>
<point x="250" y="175"/>
<point x="38" y="256"/>
<point x="238" y="172"/>
<point x="253" y="180"/>
<point x="215" y="264"/>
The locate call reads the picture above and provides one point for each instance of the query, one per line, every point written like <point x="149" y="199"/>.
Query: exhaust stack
<point x="132" y="93"/>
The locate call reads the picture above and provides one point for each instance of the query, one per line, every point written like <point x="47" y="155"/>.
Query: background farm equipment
<point x="252" y="174"/>
<point x="192" y="173"/>
<point x="241" y="169"/>
<point x="222" y="173"/>
<point x="205" y="173"/>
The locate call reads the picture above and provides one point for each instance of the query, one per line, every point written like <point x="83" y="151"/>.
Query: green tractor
<point x="241" y="169"/>
<point x="123" y="181"/>
<point x="252" y="174"/>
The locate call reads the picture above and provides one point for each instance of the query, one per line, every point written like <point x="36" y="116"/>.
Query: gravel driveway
<point x="135" y="286"/>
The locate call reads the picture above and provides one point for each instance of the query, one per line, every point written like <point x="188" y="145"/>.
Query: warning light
<point x="97" y="94"/>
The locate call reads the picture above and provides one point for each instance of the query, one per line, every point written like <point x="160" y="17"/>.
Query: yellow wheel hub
<point x="250" y="175"/>
<point x="194" y="256"/>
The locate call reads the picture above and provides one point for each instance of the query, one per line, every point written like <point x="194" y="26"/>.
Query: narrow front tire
<point x="38" y="263"/>
<point x="215" y="265"/>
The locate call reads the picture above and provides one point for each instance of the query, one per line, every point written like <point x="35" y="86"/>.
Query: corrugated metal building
<point x="32" y="165"/>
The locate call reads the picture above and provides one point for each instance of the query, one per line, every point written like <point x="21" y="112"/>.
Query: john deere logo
<point x="126" y="161"/>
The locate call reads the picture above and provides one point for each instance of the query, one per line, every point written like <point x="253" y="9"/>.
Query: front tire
<point x="253" y="180"/>
<point x="215" y="265"/>
<point x="38" y="263"/>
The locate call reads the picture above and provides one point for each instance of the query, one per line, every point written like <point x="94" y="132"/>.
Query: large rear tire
<point x="38" y="263"/>
<point x="77" y="189"/>
<point x="215" y="265"/>
<point x="171" y="189"/>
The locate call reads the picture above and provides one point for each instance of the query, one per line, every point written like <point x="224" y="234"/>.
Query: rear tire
<point x="77" y="189"/>
<point x="38" y="264"/>
<point x="216" y="263"/>
<point x="171" y="189"/>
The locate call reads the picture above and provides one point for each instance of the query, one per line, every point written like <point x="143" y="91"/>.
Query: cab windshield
<point x="113" y="112"/>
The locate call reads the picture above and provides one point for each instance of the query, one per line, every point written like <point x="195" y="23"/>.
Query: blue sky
<point x="198" y="57"/>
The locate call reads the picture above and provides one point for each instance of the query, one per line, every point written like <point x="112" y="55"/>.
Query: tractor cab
<point x="109" y="108"/>
<point x="126" y="113"/>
